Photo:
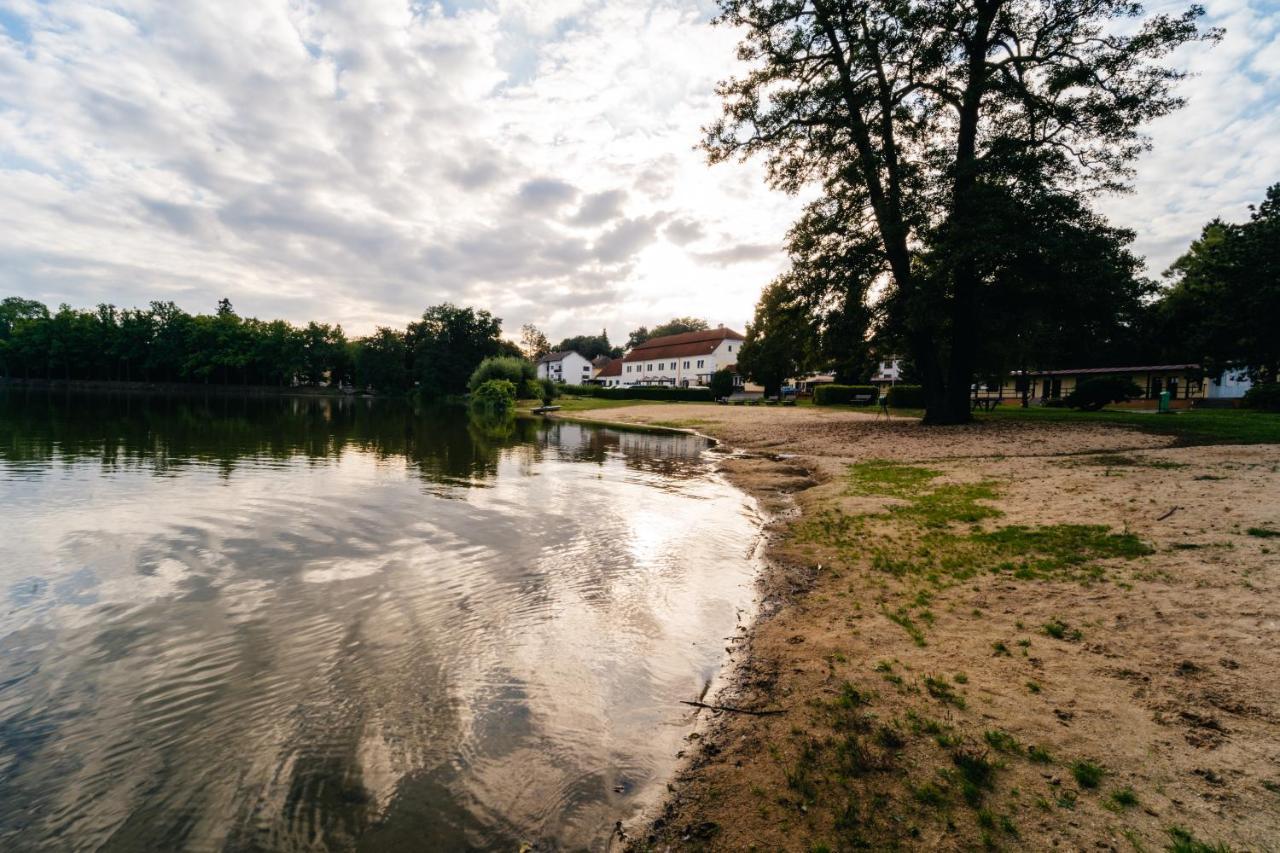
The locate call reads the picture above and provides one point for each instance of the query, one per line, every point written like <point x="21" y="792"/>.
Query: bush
<point x="831" y="395"/>
<point x="1092" y="394"/>
<point x="545" y="390"/>
<point x="494" y="396"/>
<point x="906" y="397"/>
<point x="517" y="371"/>
<point x="721" y="384"/>
<point x="1265" y="397"/>
<point x="637" y="392"/>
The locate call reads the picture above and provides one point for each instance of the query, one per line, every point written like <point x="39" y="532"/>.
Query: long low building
<point x="685" y="360"/>
<point x="1186" y="383"/>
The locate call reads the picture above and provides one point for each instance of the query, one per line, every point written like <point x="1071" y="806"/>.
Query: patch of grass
<point x="890" y="738"/>
<point x="1263" y="532"/>
<point x="1088" y="774"/>
<point x="960" y="678"/>
<point x="930" y="794"/>
<point x="999" y="649"/>
<point x="1059" y="630"/>
<point x="889" y="479"/>
<point x="1039" y="755"/>
<point x="1051" y="550"/>
<point x="1193" y="427"/>
<point x="977" y="774"/>
<point x="901" y="618"/>
<point x="940" y="689"/>
<point x="951" y="503"/>
<point x="1033" y="687"/>
<point x="1121" y="460"/>
<point x="1002" y="741"/>
<point x="1182" y="841"/>
<point x="1125" y="798"/>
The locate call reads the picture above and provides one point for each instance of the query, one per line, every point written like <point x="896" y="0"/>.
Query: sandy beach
<point x="1002" y="635"/>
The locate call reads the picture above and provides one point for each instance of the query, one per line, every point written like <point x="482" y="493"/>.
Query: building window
<point x="686" y="364"/>
<point x="662" y="366"/>
<point x="730" y="347"/>
<point x="651" y="365"/>
<point x="699" y="362"/>
<point x="628" y="368"/>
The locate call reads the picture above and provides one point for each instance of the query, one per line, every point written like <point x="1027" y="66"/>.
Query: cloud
<point x="355" y="163"/>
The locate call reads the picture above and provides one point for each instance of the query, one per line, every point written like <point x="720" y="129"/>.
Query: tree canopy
<point x="931" y="128"/>
<point x="674" y="326"/>
<point x="1223" y="304"/>
<point x="779" y="341"/>
<point x="163" y="343"/>
<point x="590" y="346"/>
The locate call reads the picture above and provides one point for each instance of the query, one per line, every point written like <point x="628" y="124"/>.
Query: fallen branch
<point x="1169" y="513"/>
<point x="732" y="710"/>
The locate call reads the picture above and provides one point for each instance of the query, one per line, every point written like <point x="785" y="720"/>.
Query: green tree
<point x="533" y="343"/>
<point x="721" y="383"/>
<point x="382" y="361"/>
<point x="780" y="341"/>
<point x="447" y="344"/>
<point x="1222" y="306"/>
<point x="590" y="346"/>
<point x="674" y="326"/>
<point x="913" y="116"/>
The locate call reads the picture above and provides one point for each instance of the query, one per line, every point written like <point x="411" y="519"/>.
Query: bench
<point x="985" y="403"/>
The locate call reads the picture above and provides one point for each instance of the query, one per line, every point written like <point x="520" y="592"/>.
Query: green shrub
<point x="832" y="395"/>
<point x="906" y="397"/>
<point x="517" y="371"/>
<point x="546" y="391"/>
<point x="1265" y="397"/>
<point x="494" y="396"/>
<point x="1092" y="394"/>
<point x="721" y="384"/>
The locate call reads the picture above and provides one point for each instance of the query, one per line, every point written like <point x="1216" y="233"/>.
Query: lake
<point x="310" y="623"/>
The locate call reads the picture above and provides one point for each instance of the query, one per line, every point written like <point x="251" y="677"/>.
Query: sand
<point x="1172" y="686"/>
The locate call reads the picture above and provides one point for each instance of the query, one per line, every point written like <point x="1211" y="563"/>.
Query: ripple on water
<point x="210" y="647"/>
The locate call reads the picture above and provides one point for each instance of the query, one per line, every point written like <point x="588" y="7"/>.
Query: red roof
<point x="613" y="368"/>
<point x="686" y="343"/>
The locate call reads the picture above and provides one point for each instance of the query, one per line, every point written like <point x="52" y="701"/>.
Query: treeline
<point x="163" y="343"/>
<point x="1077" y="301"/>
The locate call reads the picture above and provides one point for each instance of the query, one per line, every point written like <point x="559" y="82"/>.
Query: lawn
<point x="1204" y="426"/>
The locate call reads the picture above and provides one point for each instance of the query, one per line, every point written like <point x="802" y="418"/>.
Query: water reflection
<point x="285" y="624"/>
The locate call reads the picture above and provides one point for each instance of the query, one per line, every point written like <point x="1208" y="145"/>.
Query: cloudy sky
<point x="354" y="161"/>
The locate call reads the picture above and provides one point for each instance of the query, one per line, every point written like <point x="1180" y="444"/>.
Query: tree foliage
<point x="674" y="326"/>
<point x="533" y="343"/>
<point x="590" y="346"/>
<point x="780" y="342"/>
<point x="929" y="126"/>
<point x="1223" y="306"/>
<point x="163" y="343"/>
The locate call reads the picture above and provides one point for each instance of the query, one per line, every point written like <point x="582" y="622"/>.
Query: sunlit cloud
<point x="355" y="162"/>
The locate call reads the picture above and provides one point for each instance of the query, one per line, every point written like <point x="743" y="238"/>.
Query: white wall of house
<point x="572" y="369"/>
<point x="887" y="370"/>
<point x="682" y="371"/>
<point x="1230" y="385"/>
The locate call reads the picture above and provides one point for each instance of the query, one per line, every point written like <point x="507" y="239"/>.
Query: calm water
<point x="236" y="624"/>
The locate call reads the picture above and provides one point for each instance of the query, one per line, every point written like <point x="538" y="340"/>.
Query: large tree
<point x="781" y="339"/>
<point x="590" y="346"/>
<point x="533" y="343"/>
<point x="1224" y="302"/>
<point x="913" y="115"/>
<point x="447" y="344"/>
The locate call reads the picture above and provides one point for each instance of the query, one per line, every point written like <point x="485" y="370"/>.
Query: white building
<point x="684" y="360"/>
<point x="568" y="367"/>
<point x="1232" y="384"/>
<point x="887" y="370"/>
<point x="610" y="375"/>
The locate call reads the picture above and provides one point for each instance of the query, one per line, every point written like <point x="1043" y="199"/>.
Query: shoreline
<point x="1160" y="684"/>
<point x="112" y="386"/>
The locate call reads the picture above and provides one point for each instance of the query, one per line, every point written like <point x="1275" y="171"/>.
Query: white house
<point x="685" y="360"/>
<point x="1232" y="384"/>
<point x="610" y="375"/>
<point x="887" y="370"/>
<point x="568" y="367"/>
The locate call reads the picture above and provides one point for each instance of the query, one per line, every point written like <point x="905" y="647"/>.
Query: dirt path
<point x="1043" y="637"/>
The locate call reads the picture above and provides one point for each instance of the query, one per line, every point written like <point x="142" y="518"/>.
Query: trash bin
<point x="1163" y="407"/>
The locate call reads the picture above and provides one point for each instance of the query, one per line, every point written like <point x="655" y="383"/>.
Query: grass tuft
<point x="1087" y="773"/>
